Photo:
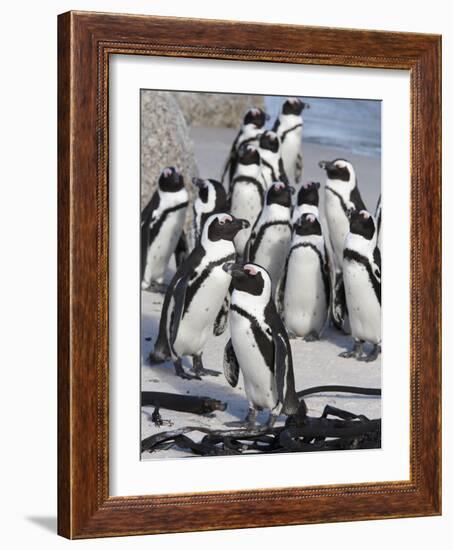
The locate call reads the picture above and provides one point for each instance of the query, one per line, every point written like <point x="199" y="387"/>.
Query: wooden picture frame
<point x="85" y="42"/>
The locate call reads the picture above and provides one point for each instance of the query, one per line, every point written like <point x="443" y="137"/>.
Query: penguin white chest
<point x="197" y="322"/>
<point x="290" y="150"/>
<point x="246" y="204"/>
<point x="259" y="382"/>
<point x="338" y="224"/>
<point x="305" y="303"/>
<point x="273" y="249"/>
<point x="363" y="306"/>
<point x="164" y="244"/>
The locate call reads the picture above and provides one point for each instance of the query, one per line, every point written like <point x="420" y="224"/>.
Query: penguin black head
<point x="170" y="180"/>
<point x="269" y="140"/>
<point x="308" y="193"/>
<point x="294" y="106"/>
<point x="279" y="193"/>
<point x="308" y="224"/>
<point x="248" y="154"/>
<point x="223" y="227"/>
<point x="250" y="278"/>
<point x="362" y="223"/>
<point x="338" y="169"/>
<point x="255" y="116"/>
<point x="207" y="186"/>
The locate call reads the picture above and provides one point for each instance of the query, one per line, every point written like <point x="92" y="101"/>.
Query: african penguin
<point x="211" y="199"/>
<point x="271" y="161"/>
<point x="342" y="196"/>
<point x="252" y="127"/>
<point x="307" y="200"/>
<point x="247" y="192"/>
<point x="362" y="281"/>
<point x="306" y="287"/>
<point x="162" y="222"/>
<point x="288" y="127"/>
<point x="259" y="347"/>
<point x="271" y="235"/>
<point x="195" y="296"/>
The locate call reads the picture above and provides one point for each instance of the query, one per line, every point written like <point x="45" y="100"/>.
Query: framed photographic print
<point x="249" y="275"/>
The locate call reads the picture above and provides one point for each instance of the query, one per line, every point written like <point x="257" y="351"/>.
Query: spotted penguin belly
<point x="305" y="305"/>
<point x="272" y="251"/>
<point x="245" y="204"/>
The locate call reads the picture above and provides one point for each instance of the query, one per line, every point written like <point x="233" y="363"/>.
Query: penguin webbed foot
<point x="356" y="351"/>
<point x="179" y="371"/>
<point x="198" y="369"/>
<point x="312" y="337"/>
<point x="249" y="422"/>
<point x="372" y="356"/>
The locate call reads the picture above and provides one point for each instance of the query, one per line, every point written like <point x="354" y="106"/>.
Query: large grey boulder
<point x="218" y="110"/>
<point x="165" y="141"/>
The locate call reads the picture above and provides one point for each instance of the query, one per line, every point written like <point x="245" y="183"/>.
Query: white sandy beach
<point x="315" y="363"/>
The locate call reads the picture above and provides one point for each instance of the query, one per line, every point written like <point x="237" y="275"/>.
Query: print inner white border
<point x="129" y="475"/>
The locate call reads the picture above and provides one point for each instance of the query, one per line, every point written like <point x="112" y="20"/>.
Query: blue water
<point x="350" y="124"/>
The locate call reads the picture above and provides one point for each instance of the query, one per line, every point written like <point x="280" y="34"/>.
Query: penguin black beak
<point x="240" y="223"/>
<point x="292" y="189"/>
<point x="326" y="165"/>
<point x="198" y="182"/>
<point x="305" y="105"/>
<point x="233" y="269"/>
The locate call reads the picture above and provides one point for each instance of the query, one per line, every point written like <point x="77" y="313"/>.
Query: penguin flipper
<point x="145" y="222"/>
<point x="284" y="374"/>
<point x="280" y="291"/>
<point x="221" y="320"/>
<point x="230" y="365"/>
<point x="182" y="249"/>
<point x="325" y="268"/>
<point x="282" y="175"/>
<point x="179" y="297"/>
<point x="299" y="167"/>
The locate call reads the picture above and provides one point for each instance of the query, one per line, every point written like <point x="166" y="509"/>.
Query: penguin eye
<point x="222" y="221"/>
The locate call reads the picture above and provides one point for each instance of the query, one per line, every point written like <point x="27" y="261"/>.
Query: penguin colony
<point x="262" y="262"/>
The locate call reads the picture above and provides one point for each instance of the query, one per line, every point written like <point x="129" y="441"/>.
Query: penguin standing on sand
<point x="259" y="346"/>
<point x="307" y="200"/>
<point x="252" y="127"/>
<point x="195" y="296"/>
<point x="247" y="192"/>
<point x="162" y="222"/>
<point x="271" y="235"/>
<point x="306" y="286"/>
<point x="211" y="199"/>
<point x="271" y="161"/>
<point x="362" y="281"/>
<point x="289" y="126"/>
<point x="342" y="196"/>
